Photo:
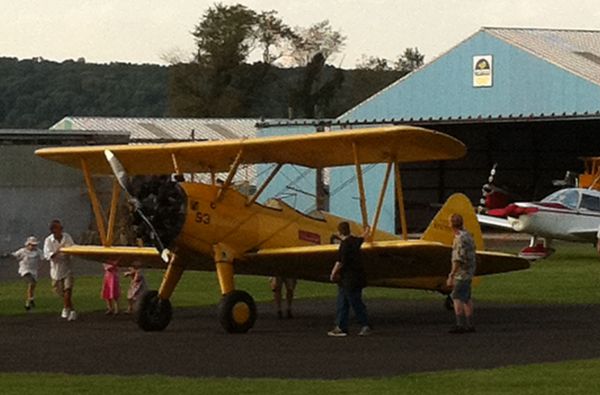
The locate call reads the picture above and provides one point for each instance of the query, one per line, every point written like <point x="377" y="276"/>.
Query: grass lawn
<point x="570" y="276"/>
<point x="558" y="378"/>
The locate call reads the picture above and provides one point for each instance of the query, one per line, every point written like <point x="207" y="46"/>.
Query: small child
<point x="110" y="287"/>
<point x="29" y="258"/>
<point x="137" y="287"/>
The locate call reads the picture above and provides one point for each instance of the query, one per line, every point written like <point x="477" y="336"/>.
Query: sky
<point x="142" y="31"/>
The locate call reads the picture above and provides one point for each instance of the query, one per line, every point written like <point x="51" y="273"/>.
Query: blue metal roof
<point x="536" y="73"/>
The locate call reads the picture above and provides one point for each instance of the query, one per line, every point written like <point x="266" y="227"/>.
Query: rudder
<point x="439" y="229"/>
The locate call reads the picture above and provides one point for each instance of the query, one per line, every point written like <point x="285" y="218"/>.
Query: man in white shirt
<point x="60" y="267"/>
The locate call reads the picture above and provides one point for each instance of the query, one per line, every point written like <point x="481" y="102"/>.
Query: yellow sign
<point x="482" y="71"/>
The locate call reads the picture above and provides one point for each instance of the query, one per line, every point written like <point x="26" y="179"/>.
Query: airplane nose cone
<point x="164" y="202"/>
<point x="519" y="224"/>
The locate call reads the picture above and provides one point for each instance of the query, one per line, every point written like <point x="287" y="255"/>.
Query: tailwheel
<point x="154" y="314"/>
<point x="449" y="303"/>
<point x="237" y="312"/>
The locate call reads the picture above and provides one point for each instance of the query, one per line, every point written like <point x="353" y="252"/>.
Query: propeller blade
<point x="118" y="170"/>
<point x="123" y="180"/>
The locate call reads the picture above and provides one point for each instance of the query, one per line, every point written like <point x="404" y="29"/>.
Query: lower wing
<point x="590" y="235"/>
<point x="125" y="256"/>
<point x="494" y="221"/>
<point x="386" y="262"/>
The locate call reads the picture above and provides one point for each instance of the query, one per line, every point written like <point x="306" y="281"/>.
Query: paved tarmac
<point x="408" y="337"/>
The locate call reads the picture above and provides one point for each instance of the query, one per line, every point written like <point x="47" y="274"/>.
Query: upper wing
<point x="494" y="221"/>
<point x="383" y="260"/>
<point x="125" y="256"/>
<point x="375" y="145"/>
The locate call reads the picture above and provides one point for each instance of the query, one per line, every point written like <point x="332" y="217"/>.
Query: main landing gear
<point x="236" y="311"/>
<point x="537" y="250"/>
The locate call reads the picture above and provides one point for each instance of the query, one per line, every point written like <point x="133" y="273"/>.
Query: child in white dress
<point x="29" y="258"/>
<point x="137" y="287"/>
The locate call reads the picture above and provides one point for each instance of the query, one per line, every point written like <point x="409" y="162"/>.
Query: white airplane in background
<point x="571" y="214"/>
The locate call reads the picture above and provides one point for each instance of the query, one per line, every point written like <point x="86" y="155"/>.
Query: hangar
<point x="35" y="191"/>
<point x="526" y="99"/>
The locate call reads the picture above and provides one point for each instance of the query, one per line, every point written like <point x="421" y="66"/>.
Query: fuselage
<point x="569" y="214"/>
<point x="231" y="221"/>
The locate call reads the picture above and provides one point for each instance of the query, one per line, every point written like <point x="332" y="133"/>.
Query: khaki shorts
<point x="60" y="286"/>
<point x="278" y="282"/>
<point x="461" y="290"/>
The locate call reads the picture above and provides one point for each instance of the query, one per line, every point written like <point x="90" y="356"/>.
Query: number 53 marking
<point x="202" y="218"/>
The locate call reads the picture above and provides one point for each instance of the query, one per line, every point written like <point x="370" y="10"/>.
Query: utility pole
<point x="322" y="192"/>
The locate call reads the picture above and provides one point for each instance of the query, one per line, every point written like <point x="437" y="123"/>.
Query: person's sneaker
<point x="65" y="313"/>
<point x="72" y="315"/>
<point x="365" y="331"/>
<point x="289" y="314"/>
<point x="470" y="329"/>
<point x="457" y="329"/>
<point x="337" y="332"/>
<point x="27" y="306"/>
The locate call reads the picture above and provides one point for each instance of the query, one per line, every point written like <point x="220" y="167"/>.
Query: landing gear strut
<point x="237" y="312"/>
<point x="154" y="314"/>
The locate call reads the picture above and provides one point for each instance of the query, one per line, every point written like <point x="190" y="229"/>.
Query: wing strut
<point x="267" y="181"/>
<point x="106" y="235"/>
<point x="230" y="175"/>
<point x="112" y="214"/>
<point x="400" y="198"/>
<point x="386" y="179"/>
<point x="361" y="187"/>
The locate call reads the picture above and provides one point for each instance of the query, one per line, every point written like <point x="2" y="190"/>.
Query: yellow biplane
<point x="214" y="227"/>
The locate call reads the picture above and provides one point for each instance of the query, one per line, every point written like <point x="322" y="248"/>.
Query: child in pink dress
<point x="110" y="287"/>
<point x="137" y="287"/>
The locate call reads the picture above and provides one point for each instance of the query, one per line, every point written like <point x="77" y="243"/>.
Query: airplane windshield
<point x="568" y="198"/>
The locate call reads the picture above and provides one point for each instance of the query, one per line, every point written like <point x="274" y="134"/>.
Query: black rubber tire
<point x="153" y="314"/>
<point x="226" y="312"/>
<point x="449" y="303"/>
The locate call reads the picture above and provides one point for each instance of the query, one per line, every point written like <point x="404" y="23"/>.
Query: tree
<point x="410" y="60"/>
<point x="373" y="63"/>
<point x="270" y="33"/>
<point x="314" y="93"/>
<point x="318" y="38"/>
<point x="224" y="36"/>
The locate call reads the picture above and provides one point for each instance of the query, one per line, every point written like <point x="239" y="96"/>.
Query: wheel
<point x="449" y="303"/>
<point x="153" y="314"/>
<point x="237" y="312"/>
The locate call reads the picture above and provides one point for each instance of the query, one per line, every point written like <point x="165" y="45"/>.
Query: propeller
<point x="123" y="179"/>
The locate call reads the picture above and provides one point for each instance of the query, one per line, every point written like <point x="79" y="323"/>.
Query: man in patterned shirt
<point x="464" y="263"/>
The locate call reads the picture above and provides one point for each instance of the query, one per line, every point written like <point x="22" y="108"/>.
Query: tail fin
<point x="439" y="229"/>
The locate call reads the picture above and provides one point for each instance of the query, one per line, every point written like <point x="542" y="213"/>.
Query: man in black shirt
<point x="350" y="275"/>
